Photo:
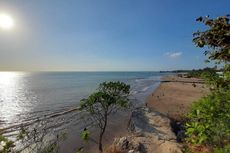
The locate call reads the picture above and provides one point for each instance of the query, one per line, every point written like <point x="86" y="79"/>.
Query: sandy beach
<point x="175" y="95"/>
<point x="173" y="98"/>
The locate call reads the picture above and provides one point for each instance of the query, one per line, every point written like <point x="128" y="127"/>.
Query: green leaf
<point x="85" y="134"/>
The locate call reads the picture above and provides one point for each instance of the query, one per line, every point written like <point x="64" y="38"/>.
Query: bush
<point x="225" y="149"/>
<point x="209" y="120"/>
<point x="6" y="145"/>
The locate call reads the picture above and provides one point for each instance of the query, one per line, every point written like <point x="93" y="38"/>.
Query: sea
<point x="30" y="97"/>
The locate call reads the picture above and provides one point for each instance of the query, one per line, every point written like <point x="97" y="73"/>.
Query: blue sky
<point x="104" y="35"/>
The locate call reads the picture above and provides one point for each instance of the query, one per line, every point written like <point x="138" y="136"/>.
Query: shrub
<point x="209" y="120"/>
<point x="6" y="145"/>
<point x="225" y="149"/>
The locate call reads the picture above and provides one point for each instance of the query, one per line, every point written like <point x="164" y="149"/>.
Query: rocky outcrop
<point x="151" y="132"/>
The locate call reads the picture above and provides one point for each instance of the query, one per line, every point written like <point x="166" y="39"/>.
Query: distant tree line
<point x="215" y="69"/>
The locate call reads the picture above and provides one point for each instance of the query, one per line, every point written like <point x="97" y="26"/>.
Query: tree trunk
<point x="100" y="143"/>
<point x="101" y="135"/>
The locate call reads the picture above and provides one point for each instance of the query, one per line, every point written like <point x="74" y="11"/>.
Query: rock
<point x="131" y="151"/>
<point x="151" y="132"/>
<point x="123" y="143"/>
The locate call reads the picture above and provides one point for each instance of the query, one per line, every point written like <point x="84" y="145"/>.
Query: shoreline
<point x="173" y="99"/>
<point x="116" y="128"/>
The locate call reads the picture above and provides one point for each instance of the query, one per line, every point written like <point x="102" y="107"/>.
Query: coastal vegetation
<point x="110" y="97"/>
<point x="6" y="144"/>
<point x="202" y="73"/>
<point x="208" y="122"/>
<point x="38" y="139"/>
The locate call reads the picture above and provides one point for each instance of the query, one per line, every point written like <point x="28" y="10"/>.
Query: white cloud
<point x="173" y="54"/>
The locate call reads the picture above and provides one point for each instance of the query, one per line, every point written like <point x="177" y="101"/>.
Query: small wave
<point x="145" y="89"/>
<point x="139" y="79"/>
<point x="133" y="92"/>
<point x="15" y="127"/>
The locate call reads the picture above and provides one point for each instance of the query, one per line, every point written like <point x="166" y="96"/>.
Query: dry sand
<point x="175" y="95"/>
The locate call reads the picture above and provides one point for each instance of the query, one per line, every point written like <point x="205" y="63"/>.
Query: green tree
<point x="208" y="121"/>
<point x="110" y="97"/>
<point x="217" y="41"/>
<point x="216" y="38"/>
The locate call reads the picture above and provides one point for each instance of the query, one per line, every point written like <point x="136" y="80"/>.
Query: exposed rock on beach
<point x="151" y="132"/>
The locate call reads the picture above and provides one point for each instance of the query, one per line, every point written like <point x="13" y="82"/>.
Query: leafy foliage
<point x="110" y="97"/>
<point x="209" y="120"/>
<point x="225" y="149"/>
<point x="199" y="73"/>
<point x="85" y="134"/>
<point x="6" y="144"/>
<point x="217" y="38"/>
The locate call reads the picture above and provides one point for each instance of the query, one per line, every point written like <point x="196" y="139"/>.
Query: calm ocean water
<point x="26" y="97"/>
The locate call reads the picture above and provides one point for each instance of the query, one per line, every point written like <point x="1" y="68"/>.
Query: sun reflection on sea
<point x="12" y="98"/>
<point x="7" y="77"/>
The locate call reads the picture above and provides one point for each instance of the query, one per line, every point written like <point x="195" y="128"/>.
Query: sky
<point x="104" y="35"/>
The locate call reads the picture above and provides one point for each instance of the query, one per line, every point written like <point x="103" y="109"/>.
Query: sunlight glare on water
<point x="28" y="96"/>
<point x="12" y="97"/>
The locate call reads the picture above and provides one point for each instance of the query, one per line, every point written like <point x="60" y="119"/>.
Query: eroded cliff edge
<point x="150" y="132"/>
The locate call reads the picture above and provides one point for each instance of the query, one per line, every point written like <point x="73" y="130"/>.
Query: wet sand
<point x="175" y="95"/>
<point x="117" y="127"/>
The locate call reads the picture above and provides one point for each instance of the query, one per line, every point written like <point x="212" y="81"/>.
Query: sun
<point x="6" y="22"/>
